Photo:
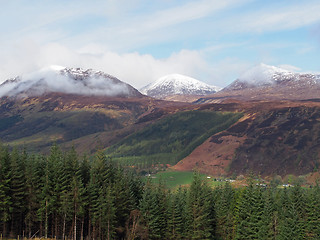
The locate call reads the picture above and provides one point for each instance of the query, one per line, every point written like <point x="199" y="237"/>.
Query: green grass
<point x="174" y="179"/>
<point x="171" y="139"/>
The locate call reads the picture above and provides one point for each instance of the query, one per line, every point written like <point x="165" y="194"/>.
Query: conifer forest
<point x="64" y="196"/>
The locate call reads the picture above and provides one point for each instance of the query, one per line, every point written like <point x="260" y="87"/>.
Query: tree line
<point x="64" y="196"/>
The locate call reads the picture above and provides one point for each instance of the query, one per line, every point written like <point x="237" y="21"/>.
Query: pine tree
<point x="291" y="225"/>
<point x="177" y="214"/>
<point x="50" y="203"/>
<point x="153" y="208"/>
<point x="268" y="225"/>
<point x="224" y="211"/>
<point x="85" y="179"/>
<point x="18" y="192"/>
<point x="249" y="213"/>
<point x="123" y="201"/>
<point x="313" y="213"/>
<point x="200" y="210"/>
<point x="5" y="195"/>
<point x="34" y="169"/>
<point x="101" y="177"/>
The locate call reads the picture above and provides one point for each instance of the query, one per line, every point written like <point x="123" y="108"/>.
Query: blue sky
<point x="139" y="41"/>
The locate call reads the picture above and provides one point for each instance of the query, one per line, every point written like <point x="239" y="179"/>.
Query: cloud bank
<point x="66" y="80"/>
<point x="136" y="69"/>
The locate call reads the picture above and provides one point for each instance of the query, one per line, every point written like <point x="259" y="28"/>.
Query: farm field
<point x="174" y="179"/>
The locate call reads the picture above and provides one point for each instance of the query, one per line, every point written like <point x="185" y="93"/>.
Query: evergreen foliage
<point x="63" y="195"/>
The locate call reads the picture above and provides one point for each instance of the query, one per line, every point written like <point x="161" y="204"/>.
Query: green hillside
<point x="172" y="138"/>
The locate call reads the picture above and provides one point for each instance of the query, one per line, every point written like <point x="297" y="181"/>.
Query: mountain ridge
<point x="264" y="82"/>
<point x="263" y="75"/>
<point x="67" y="80"/>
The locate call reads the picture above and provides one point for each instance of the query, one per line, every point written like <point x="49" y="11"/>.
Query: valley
<point x="241" y="129"/>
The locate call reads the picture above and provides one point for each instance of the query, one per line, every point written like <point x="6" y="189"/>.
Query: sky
<point x="139" y="41"/>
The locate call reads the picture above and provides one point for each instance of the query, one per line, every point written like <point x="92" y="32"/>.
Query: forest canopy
<point x="64" y="195"/>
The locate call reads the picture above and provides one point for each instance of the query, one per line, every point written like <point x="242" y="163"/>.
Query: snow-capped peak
<point x="66" y="80"/>
<point x="263" y="74"/>
<point x="177" y="84"/>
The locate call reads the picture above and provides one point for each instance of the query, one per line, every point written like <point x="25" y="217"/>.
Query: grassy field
<point x="174" y="179"/>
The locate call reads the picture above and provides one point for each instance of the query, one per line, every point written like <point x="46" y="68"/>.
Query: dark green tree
<point x="249" y="213"/>
<point x="5" y="194"/>
<point x="177" y="214"/>
<point x="291" y="225"/>
<point x="18" y="191"/>
<point x="224" y="202"/>
<point x="313" y="213"/>
<point x="200" y="205"/>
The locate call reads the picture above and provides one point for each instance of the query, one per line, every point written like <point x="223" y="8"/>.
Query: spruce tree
<point x="200" y="210"/>
<point x="177" y="214"/>
<point x="224" y="198"/>
<point x="18" y="192"/>
<point x="153" y="208"/>
<point x="249" y="214"/>
<point x="5" y="194"/>
<point x="290" y="210"/>
<point x="313" y="213"/>
<point x="34" y="169"/>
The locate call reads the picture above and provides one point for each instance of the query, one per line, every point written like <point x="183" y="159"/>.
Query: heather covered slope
<point x="272" y="138"/>
<point x="281" y="141"/>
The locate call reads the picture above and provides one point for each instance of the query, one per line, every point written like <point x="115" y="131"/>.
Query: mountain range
<point x="266" y="121"/>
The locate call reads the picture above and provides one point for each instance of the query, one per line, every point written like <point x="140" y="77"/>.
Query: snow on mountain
<point x="66" y="80"/>
<point x="265" y="75"/>
<point x="177" y="84"/>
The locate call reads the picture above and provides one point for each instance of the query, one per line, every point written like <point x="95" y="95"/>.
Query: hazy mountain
<point x="264" y="75"/>
<point x="67" y="80"/>
<point x="264" y="82"/>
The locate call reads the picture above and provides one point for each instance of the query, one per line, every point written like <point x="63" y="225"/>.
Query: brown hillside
<point x="273" y="138"/>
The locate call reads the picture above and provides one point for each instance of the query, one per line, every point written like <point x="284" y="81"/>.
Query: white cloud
<point x="227" y="70"/>
<point x="275" y="19"/>
<point x="133" y="68"/>
<point x="50" y="79"/>
<point x="290" y="68"/>
<point x="155" y="26"/>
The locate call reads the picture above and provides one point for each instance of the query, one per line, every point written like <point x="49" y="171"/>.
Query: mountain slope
<point x="278" y="137"/>
<point x="176" y="84"/>
<point x="171" y="138"/>
<point x="67" y="80"/>
<point x="40" y="120"/>
<point x="64" y="104"/>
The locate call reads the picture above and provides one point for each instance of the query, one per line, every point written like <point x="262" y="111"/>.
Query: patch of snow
<point x="263" y="74"/>
<point x="177" y="84"/>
